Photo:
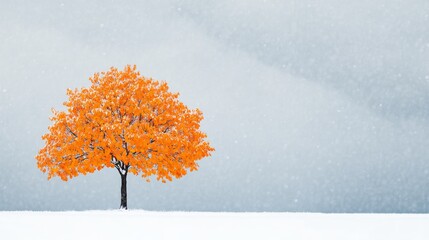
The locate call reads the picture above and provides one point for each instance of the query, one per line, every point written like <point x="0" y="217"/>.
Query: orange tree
<point x="123" y="121"/>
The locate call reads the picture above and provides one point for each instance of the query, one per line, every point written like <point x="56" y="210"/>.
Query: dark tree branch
<point x="70" y="131"/>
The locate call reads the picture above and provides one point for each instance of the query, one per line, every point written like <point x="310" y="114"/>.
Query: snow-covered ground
<point x="200" y="225"/>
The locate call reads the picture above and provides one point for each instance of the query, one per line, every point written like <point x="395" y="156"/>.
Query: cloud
<point x="374" y="51"/>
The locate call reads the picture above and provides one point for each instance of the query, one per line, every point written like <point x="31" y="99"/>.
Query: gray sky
<point x="311" y="105"/>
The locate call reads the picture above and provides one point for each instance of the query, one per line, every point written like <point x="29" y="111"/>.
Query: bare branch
<point x="70" y="131"/>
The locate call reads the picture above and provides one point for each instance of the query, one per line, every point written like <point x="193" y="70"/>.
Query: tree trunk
<point x="123" y="191"/>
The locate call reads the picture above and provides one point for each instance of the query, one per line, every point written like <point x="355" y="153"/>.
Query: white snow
<point x="136" y="224"/>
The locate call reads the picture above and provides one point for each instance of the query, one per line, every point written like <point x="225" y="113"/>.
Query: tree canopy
<point x="126" y="121"/>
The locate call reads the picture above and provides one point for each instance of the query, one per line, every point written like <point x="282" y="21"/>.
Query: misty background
<point x="311" y="105"/>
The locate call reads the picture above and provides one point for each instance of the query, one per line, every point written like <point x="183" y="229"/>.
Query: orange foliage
<point x="127" y="121"/>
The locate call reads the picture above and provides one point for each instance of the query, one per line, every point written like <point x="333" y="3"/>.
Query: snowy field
<point x="199" y="225"/>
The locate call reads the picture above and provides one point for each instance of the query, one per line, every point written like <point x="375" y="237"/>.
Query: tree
<point x="123" y="121"/>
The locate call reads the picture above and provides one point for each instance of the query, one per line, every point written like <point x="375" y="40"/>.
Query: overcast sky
<point x="311" y="105"/>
